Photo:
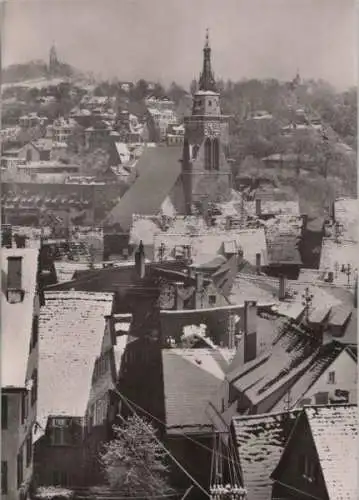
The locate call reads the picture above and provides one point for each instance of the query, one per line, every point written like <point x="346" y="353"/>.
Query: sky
<point x="162" y="40"/>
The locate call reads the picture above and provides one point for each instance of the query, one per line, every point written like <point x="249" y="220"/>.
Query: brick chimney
<point x="140" y="261"/>
<point x="282" y="287"/>
<point x="258" y="207"/>
<point x="14" y="290"/>
<point x="250" y="331"/>
<point x="258" y="263"/>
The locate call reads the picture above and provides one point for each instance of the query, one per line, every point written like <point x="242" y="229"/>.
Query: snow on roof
<point x="335" y="432"/>
<point x="207" y="243"/>
<point x="16" y="319"/>
<point x="347" y="214"/>
<point x="260" y="441"/>
<point x="71" y="331"/>
<point x="337" y="254"/>
<point x="274" y="207"/>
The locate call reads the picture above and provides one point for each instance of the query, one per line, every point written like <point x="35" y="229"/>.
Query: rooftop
<point x="157" y="167"/>
<point x="190" y="377"/>
<point x="334" y="430"/>
<point x="260" y="441"/>
<point x="16" y="319"/>
<point x="208" y="242"/>
<point x="71" y="331"/>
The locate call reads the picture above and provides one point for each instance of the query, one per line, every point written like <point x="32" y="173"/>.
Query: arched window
<point x="215" y="154"/>
<point x="208" y="154"/>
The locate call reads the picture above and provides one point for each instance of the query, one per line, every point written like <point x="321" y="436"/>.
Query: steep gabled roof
<point x="260" y="440"/>
<point x="334" y="431"/>
<point x="71" y="333"/>
<point x="190" y="377"/>
<point x="158" y="169"/>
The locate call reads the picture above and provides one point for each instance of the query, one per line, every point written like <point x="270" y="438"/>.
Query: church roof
<point x="158" y="169"/>
<point x="206" y="80"/>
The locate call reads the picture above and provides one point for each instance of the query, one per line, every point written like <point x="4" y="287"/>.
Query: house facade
<point x="320" y="456"/>
<point x="20" y="306"/>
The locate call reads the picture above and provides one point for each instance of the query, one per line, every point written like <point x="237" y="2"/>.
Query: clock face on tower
<point x="212" y="129"/>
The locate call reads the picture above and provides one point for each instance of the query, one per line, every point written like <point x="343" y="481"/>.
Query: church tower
<point x="206" y="173"/>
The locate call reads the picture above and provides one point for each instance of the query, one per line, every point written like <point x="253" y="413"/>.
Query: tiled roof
<point x="290" y="355"/>
<point x="284" y="250"/>
<point x="247" y="289"/>
<point x="16" y="319"/>
<point x="321" y="362"/>
<point x="158" y="168"/>
<point x="71" y="331"/>
<point x="190" y="377"/>
<point x="260" y="440"/>
<point x="334" y="430"/>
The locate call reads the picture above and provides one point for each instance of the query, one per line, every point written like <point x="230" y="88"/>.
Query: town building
<point x="76" y="372"/>
<point x="320" y="455"/>
<point x="21" y="299"/>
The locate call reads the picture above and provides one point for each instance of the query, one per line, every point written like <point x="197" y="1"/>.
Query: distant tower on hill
<point x="53" y="61"/>
<point x="205" y="171"/>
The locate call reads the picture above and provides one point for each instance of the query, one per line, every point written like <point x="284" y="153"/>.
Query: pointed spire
<point x="206" y="80"/>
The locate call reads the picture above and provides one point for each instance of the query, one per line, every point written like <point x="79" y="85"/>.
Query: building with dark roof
<point x="320" y="458"/>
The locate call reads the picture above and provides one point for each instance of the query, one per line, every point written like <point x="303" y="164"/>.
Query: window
<point x="308" y="468"/>
<point x="212" y="300"/>
<point x="321" y="398"/>
<point x="14" y="273"/>
<point x="35" y="331"/>
<point x="58" y="436"/>
<point x="4" y="412"/>
<point x="28" y="155"/>
<point x="24" y="406"/>
<point x="34" y="387"/>
<point x="28" y="449"/>
<point x="20" y="468"/>
<point x="207" y="154"/>
<point x="216" y="154"/>
<point x="331" y="378"/>
<point x="209" y="103"/>
<point x="3" y="478"/>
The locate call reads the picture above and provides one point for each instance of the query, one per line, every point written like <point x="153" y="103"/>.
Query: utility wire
<point x="165" y="449"/>
<point x="181" y="433"/>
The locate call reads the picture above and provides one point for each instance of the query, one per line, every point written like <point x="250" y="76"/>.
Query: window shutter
<point x="321" y="398"/>
<point x="4" y="478"/>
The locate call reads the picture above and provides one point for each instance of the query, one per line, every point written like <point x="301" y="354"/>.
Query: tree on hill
<point x="134" y="463"/>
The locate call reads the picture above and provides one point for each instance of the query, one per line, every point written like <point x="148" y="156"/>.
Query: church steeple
<point x="206" y="80"/>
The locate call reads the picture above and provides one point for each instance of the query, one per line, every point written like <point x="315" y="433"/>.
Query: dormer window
<point x="14" y="291"/>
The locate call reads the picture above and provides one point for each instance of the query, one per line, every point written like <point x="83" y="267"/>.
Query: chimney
<point x="282" y="286"/>
<point x="250" y="331"/>
<point x="199" y="291"/>
<point x="258" y="263"/>
<point x="14" y="291"/>
<point x="179" y="302"/>
<point x="6" y="235"/>
<point x="228" y="223"/>
<point x="332" y="210"/>
<point x="140" y="261"/>
<point x="258" y="207"/>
